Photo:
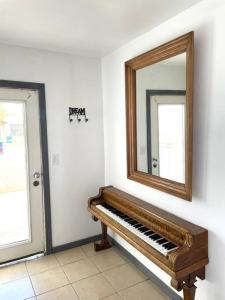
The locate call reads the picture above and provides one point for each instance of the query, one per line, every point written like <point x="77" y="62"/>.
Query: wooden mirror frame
<point x="180" y="45"/>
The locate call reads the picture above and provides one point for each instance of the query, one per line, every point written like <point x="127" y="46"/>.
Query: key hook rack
<point x="79" y="113"/>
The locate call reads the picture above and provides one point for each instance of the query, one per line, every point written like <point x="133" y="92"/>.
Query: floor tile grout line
<point x="52" y="290"/>
<point x="70" y="283"/>
<point x="30" y="281"/>
<point x="82" y="250"/>
<point x="91" y="277"/>
<point x="132" y="285"/>
<point x="102" y="273"/>
<point x="111" y="296"/>
<point x="59" y="266"/>
<point x="85" y="256"/>
<point x="51" y="269"/>
<point x="7" y="282"/>
<point x="108" y="296"/>
<point x="117" y="291"/>
<point x="36" y="259"/>
<point x="75" y="291"/>
<point x="36" y="295"/>
<point x="109" y="282"/>
<point x="123" y="263"/>
<point x="24" y="276"/>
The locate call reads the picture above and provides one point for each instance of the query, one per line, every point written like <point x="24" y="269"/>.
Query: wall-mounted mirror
<point x="159" y="117"/>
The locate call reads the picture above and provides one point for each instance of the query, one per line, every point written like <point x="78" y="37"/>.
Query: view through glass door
<point x="21" y="208"/>
<point x="168" y="136"/>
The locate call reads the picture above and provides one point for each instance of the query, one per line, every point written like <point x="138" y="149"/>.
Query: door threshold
<point x="22" y="259"/>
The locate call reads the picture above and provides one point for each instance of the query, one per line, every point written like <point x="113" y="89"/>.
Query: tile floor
<point x="78" y="274"/>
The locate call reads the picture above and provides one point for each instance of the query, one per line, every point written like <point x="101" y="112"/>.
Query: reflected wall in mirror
<point x="159" y="117"/>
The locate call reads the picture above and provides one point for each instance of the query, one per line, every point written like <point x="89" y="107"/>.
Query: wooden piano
<point x="178" y="247"/>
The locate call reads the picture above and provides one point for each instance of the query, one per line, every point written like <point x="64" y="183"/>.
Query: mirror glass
<point x="160" y="117"/>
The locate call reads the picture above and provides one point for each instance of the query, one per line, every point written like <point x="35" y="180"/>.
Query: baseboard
<point x="162" y="286"/>
<point x="76" y="243"/>
<point x="167" y="290"/>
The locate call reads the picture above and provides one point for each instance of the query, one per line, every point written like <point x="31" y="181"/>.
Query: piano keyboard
<point x="154" y="239"/>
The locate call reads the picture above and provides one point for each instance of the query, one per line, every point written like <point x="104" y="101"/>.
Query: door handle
<point x="36" y="175"/>
<point x="155" y="162"/>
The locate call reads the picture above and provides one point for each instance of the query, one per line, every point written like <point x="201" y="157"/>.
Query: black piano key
<point x="104" y="205"/>
<point x="119" y="214"/>
<point x="162" y="241"/>
<point x="155" y="237"/>
<point x="169" y="246"/>
<point x="116" y="211"/>
<point x="113" y="210"/>
<point x="137" y="225"/>
<point x="132" y="222"/>
<point x="107" y="206"/>
<point x="143" y="229"/>
<point x="150" y="232"/>
<point x="123" y="217"/>
<point x="127" y="219"/>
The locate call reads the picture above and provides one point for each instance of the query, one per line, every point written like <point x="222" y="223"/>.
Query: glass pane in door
<point x="14" y="195"/>
<point x="171" y="126"/>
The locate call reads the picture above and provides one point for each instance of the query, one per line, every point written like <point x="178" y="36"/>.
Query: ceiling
<point x="84" y="27"/>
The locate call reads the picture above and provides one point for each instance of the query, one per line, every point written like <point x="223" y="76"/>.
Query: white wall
<point x="208" y="206"/>
<point x="69" y="81"/>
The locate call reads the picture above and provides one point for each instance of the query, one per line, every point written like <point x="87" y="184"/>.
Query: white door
<point x="168" y="137"/>
<point x="21" y="190"/>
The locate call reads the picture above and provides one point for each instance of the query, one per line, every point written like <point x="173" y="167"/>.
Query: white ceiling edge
<point x="50" y="50"/>
<point x="93" y="53"/>
<point x="209" y="5"/>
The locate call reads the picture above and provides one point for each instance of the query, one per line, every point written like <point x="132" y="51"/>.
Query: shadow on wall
<point x="215" y="275"/>
<point x="203" y="62"/>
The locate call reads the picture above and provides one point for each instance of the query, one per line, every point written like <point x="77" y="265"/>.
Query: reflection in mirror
<point x="160" y="115"/>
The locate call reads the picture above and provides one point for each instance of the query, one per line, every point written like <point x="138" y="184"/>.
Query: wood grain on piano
<point x="183" y="264"/>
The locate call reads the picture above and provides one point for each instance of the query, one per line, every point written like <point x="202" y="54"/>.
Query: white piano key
<point x="138" y="233"/>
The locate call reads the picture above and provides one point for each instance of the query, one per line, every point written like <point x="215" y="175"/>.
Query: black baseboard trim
<point x="76" y="243"/>
<point x="162" y="286"/>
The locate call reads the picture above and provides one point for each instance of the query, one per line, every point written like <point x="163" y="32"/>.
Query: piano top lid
<point x="153" y="210"/>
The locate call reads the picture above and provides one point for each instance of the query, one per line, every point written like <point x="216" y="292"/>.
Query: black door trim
<point x="40" y="87"/>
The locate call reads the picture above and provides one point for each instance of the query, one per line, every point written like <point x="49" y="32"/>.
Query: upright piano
<point x="178" y="247"/>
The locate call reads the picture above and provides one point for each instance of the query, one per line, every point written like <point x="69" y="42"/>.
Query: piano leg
<point x="189" y="292"/>
<point x="187" y="285"/>
<point x="104" y="244"/>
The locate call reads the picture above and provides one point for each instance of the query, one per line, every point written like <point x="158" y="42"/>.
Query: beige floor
<point x="76" y="274"/>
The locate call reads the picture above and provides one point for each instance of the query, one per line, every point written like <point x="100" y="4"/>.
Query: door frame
<point x="149" y="94"/>
<point x="40" y="87"/>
